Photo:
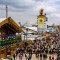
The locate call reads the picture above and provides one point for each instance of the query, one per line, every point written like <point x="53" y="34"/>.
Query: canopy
<point x="9" y="27"/>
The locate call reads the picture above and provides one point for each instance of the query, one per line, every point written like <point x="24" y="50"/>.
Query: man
<point x="14" y="56"/>
<point x="44" y="56"/>
<point x="58" y="58"/>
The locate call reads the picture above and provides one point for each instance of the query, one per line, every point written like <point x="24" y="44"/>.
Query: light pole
<point x="26" y="34"/>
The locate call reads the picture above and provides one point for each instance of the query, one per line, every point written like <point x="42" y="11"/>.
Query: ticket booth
<point x="3" y="53"/>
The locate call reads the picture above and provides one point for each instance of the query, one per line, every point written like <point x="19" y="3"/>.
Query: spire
<point x="41" y="12"/>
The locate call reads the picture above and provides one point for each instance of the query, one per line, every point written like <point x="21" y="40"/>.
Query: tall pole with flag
<point x="26" y="34"/>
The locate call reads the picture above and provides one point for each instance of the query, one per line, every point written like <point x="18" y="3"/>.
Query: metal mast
<point x="6" y="11"/>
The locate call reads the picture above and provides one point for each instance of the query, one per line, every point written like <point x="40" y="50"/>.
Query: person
<point x="14" y="56"/>
<point x="29" y="56"/>
<point x="51" y="57"/>
<point x="9" y="58"/>
<point x="20" y="56"/>
<point x="30" y="52"/>
<point x="44" y="56"/>
<point x="46" y="50"/>
<point x="41" y="56"/>
<point x="37" y="53"/>
<point x="25" y="55"/>
<point x="17" y="53"/>
<point x="58" y="57"/>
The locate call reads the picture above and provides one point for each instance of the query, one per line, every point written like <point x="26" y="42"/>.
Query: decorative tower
<point x="41" y="20"/>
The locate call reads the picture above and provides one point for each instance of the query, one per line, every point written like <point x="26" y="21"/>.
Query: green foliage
<point x="10" y="41"/>
<point x="20" y="38"/>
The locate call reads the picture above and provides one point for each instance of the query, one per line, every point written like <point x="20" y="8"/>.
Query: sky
<point x="27" y="10"/>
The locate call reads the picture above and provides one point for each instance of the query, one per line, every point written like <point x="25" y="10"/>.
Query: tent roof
<point x="11" y="22"/>
<point x="2" y="19"/>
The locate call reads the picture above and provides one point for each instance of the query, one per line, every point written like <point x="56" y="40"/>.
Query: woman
<point x="20" y="56"/>
<point x="29" y="56"/>
<point x="25" y="55"/>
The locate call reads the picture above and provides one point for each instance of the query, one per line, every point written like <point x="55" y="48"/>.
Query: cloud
<point x="28" y="10"/>
<point x="18" y="3"/>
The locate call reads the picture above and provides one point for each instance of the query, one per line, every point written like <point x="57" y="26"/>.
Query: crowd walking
<point x="39" y="50"/>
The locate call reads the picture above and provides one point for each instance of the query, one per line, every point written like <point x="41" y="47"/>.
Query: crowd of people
<point x="41" y="48"/>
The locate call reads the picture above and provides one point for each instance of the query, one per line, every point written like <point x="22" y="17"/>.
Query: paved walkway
<point x="34" y="57"/>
